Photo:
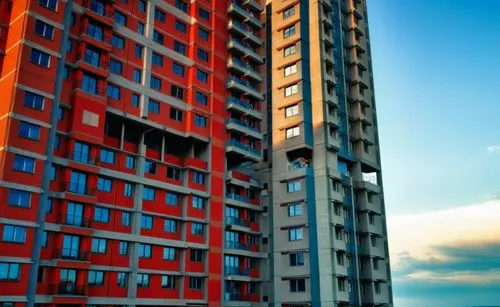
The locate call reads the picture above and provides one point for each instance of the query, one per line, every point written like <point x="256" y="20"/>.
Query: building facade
<point x="189" y="153"/>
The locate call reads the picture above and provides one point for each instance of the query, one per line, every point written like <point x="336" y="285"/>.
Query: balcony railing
<point x="81" y="157"/>
<point x="241" y="246"/>
<point x="232" y="220"/>
<point x="75" y="220"/>
<point x="246" y="48"/>
<point x="79" y="188"/>
<point x="69" y="288"/>
<point x="248" y="87"/>
<point x="240" y="297"/>
<point x="240" y="103"/>
<point x="98" y="8"/>
<point x="231" y="270"/>
<point x="248" y="15"/>
<point x="242" y="123"/>
<point x="72" y="254"/>
<point x="245" y="147"/>
<point x="237" y="197"/>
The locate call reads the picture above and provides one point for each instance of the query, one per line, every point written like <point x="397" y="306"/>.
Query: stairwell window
<point x="289" y="31"/>
<point x="292" y="132"/>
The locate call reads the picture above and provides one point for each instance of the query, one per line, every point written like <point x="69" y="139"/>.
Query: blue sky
<point x="437" y="84"/>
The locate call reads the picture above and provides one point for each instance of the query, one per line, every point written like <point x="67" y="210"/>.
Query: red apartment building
<point x="125" y="127"/>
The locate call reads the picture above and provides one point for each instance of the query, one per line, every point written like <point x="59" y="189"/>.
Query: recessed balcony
<point x="236" y="105"/>
<point x="243" y="128"/>
<point x="243" y="87"/>
<point x="236" y="9"/>
<point x="235" y="44"/>
<point x="244" y="151"/>
<point x="252" y="5"/>
<point x="240" y="29"/>
<point x="243" y="68"/>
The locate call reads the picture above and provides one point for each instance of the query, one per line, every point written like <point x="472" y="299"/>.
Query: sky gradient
<point x="437" y="85"/>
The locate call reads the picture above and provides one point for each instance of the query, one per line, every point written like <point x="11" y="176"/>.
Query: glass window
<point x="137" y="76"/>
<point x="125" y="221"/>
<point x="155" y="83"/>
<point x="43" y="29"/>
<point x="202" y="55"/>
<point x="115" y="67"/>
<point x="96" y="32"/>
<point x="296" y="259"/>
<point x="294" y="186"/>
<point x="120" y="19"/>
<point x="201" y="76"/>
<point x="146" y="221"/>
<point x="99" y="245"/>
<point x="142" y="6"/>
<point x="14" y="234"/>
<point x="168" y="281"/>
<point x="123" y="248"/>
<point x="9" y="271"/>
<point x="289" y="12"/>
<point x="101" y="215"/>
<point x="138" y="49"/>
<point x="130" y="162"/>
<point x="107" y="156"/>
<point x="148" y="194"/>
<point x="297" y="285"/>
<point x="198" y="202"/>
<point x="50" y="4"/>
<point x="24" y="164"/>
<point x="295" y="234"/>
<point x="158" y="37"/>
<point x="122" y="279"/>
<point x="291" y="90"/>
<point x="295" y="210"/>
<point x="34" y="101"/>
<point x="177" y="92"/>
<point x="142" y="280"/>
<point x="169" y="253"/>
<point x="157" y="59"/>
<point x="40" y="58"/>
<point x="140" y="28"/>
<point x="89" y="84"/>
<point x="197" y="229"/>
<point x="195" y="283"/>
<point x="198" y="178"/>
<point x="19" y="198"/>
<point x="290" y="70"/>
<point x="150" y="167"/>
<point x="176" y="114"/>
<point x="118" y="41"/>
<point x="203" y="34"/>
<point x="292" y="111"/>
<point x="180" y="48"/>
<point x="145" y="250"/>
<point x="172" y="199"/>
<point x="196" y="255"/>
<point x="178" y="69"/>
<point x="159" y="15"/>
<point x="181" y="5"/>
<point x="170" y="225"/>
<point x="104" y="184"/>
<point x="200" y="121"/>
<point x="203" y="14"/>
<point x="289" y="31"/>
<point x="29" y="131"/>
<point x="96" y="278"/>
<point x="128" y="189"/>
<point x="135" y="100"/>
<point x="180" y="26"/>
<point x="173" y="173"/>
<point x="292" y="132"/>
<point x="201" y="98"/>
<point x="113" y="91"/>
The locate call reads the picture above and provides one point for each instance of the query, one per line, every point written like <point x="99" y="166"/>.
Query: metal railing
<point x="240" y="103"/>
<point x="231" y="270"/>
<point x="68" y="288"/>
<point x="72" y="254"/>
<point x="245" y="147"/>
<point x="75" y="220"/>
<point x="233" y="220"/>
<point x="242" y="123"/>
<point x="79" y="188"/>
<point x="81" y="157"/>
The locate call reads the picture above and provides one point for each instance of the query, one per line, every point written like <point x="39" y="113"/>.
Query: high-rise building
<point x="189" y="153"/>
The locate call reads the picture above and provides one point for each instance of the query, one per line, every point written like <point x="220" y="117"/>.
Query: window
<point x="122" y="278"/>
<point x="173" y="173"/>
<point x="297" y="285"/>
<point x="168" y="281"/>
<point x="292" y="111"/>
<point x="202" y="55"/>
<point x="142" y="6"/>
<point x="296" y="259"/>
<point x="140" y="28"/>
<point x="69" y="45"/>
<point x="153" y="107"/>
<point x="181" y="5"/>
<point x="128" y="189"/>
<point x="24" y="164"/>
<point x="96" y="278"/>
<point x="291" y="90"/>
<point x="107" y="156"/>
<point x="138" y="50"/>
<point x="50" y="4"/>
<point x="203" y="14"/>
<point x="375" y="264"/>
<point x="196" y="255"/>
<point x="172" y="199"/>
<point x="14" y="234"/>
<point x="180" y="26"/>
<point x="125" y="221"/>
<point x="340" y="258"/>
<point x="376" y="285"/>
<point x="373" y="240"/>
<point x="130" y="162"/>
<point x="289" y="31"/>
<point x="53" y="172"/>
<point x="200" y="121"/>
<point x="158" y="37"/>
<point x="118" y="41"/>
<point x="120" y="19"/>
<point x="198" y="178"/>
<point x="145" y="250"/>
<point x="96" y="32"/>
<point x="169" y="253"/>
<point x="104" y="184"/>
<point x="197" y="229"/>
<point x="40" y="58"/>
<point x="195" y="283"/>
<point x="60" y="113"/>
<point x="177" y="92"/>
<point x="34" y="101"/>
<point x="115" y="67"/>
<point x="290" y="70"/>
<point x="19" y="198"/>
<point x="295" y="210"/>
<point x="178" y="69"/>
<point x="295" y="234"/>
<point x="157" y="59"/>
<point x="135" y="100"/>
<point x="146" y="221"/>
<point x="176" y="114"/>
<point x="155" y="83"/>
<point x="170" y="225"/>
<point x="289" y="12"/>
<point x="142" y="280"/>
<point x="159" y="15"/>
<point x="98" y="6"/>
<point x="180" y="48"/>
<point x="203" y="34"/>
<point x="113" y="91"/>
<point x="89" y="84"/>
<point x="137" y="76"/>
<point x="99" y="245"/>
<point x="290" y="50"/>
<point x="9" y="271"/>
<point x="293" y="186"/>
<point x="198" y="202"/>
<point x="150" y="167"/>
<point x="292" y="132"/>
<point x="43" y="29"/>
<point x="101" y="215"/>
<point x="201" y="98"/>
<point x="29" y="131"/>
<point x="201" y="76"/>
<point x="341" y="284"/>
<point x="148" y="194"/>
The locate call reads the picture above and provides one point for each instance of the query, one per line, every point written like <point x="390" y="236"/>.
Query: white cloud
<point x="418" y="235"/>
<point x="493" y="149"/>
<point x="459" y="277"/>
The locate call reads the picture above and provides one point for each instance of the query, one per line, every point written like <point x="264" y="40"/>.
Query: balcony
<point x="244" y="87"/>
<point x="243" y="128"/>
<point x="81" y="157"/>
<point x="72" y="254"/>
<point x="99" y="12"/>
<point x="96" y="66"/>
<point x="75" y="220"/>
<point x="236" y="271"/>
<point x="234" y="104"/>
<point x="252" y="5"/>
<point x="79" y="188"/>
<point x="236" y="221"/>
<point x="244" y="150"/>
<point x="243" y="48"/>
<point x="236" y="9"/>
<point x="241" y="246"/>
<point x="68" y="288"/>
<point x="241" y="67"/>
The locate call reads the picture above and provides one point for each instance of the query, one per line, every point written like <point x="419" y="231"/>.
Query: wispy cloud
<point x="493" y="149"/>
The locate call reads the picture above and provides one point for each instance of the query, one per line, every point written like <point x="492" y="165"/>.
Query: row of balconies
<point x="248" y="16"/>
